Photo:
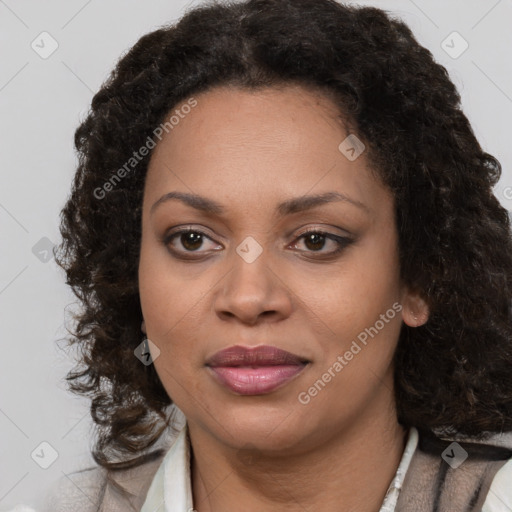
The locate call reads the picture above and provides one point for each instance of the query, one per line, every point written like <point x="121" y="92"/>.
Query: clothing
<point x="478" y="482"/>
<point x="163" y="484"/>
<point x="170" y="490"/>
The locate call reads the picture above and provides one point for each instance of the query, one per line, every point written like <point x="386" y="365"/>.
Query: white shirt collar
<point x="171" y="488"/>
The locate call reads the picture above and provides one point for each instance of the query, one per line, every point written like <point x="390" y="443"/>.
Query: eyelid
<point x="341" y="241"/>
<point x="179" y="230"/>
<point x="326" y="230"/>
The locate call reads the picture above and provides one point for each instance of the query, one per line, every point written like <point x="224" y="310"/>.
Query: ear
<point x="143" y="327"/>
<point x="415" y="310"/>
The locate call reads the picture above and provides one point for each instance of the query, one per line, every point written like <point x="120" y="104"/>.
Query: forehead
<point x="259" y="143"/>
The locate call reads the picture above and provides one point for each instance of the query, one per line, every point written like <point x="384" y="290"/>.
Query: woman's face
<point x="247" y="276"/>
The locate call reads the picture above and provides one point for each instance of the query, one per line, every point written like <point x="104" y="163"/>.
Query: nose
<point x="251" y="292"/>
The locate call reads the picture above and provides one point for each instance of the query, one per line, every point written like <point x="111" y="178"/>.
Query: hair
<point x="451" y="374"/>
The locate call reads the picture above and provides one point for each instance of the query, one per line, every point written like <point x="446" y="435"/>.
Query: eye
<point x="190" y="239"/>
<point x="315" y="240"/>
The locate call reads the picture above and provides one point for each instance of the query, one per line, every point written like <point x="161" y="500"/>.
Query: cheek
<point x="360" y="314"/>
<point x="165" y="297"/>
<point x="362" y="287"/>
<point x="168" y="313"/>
<point x="173" y="309"/>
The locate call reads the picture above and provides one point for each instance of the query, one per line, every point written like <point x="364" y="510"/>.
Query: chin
<point x="268" y="427"/>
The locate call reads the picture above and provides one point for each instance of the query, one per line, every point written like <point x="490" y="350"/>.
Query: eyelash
<point x="342" y="241"/>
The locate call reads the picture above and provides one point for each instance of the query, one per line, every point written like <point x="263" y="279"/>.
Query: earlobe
<point x="415" y="310"/>
<point x="143" y="327"/>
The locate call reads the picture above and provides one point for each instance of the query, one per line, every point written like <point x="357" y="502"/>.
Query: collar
<point x="171" y="488"/>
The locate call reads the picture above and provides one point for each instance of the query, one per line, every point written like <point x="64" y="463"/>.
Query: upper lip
<point x="262" y="355"/>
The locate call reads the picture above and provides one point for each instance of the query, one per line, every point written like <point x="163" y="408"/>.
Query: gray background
<point x="41" y="103"/>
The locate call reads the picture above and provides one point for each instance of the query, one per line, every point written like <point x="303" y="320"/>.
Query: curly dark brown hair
<point x="453" y="373"/>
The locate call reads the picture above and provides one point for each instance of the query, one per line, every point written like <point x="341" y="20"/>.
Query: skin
<point x="249" y="151"/>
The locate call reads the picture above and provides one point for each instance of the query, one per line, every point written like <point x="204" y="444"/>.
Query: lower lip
<point x="256" y="381"/>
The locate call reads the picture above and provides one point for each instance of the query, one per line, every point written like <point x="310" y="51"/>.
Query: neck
<point x="349" y="472"/>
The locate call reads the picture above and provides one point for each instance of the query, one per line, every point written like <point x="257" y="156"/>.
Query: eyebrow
<point x="287" y="207"/>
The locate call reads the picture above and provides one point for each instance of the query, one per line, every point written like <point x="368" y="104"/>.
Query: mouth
<point x="255" y="371"/>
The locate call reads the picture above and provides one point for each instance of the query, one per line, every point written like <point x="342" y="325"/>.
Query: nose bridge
<point x="251" y="287"/>
<point x="250" y="276"/>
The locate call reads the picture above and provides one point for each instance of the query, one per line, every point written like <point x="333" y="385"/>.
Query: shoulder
<point x="491" y="460"/>
<point x="96" y="489"/>
<point x="81" y="491"/>
<point x="459" y="474"/>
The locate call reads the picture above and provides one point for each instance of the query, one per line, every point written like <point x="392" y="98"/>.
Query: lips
<point x="255" y="371"/>
<point x="263" y="355"/>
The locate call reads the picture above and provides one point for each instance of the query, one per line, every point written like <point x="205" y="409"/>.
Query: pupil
<point x="316" y="239"/>
<point x="191" y="241"/>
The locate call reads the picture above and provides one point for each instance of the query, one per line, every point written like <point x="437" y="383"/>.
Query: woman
<point x="283" y="228"/>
